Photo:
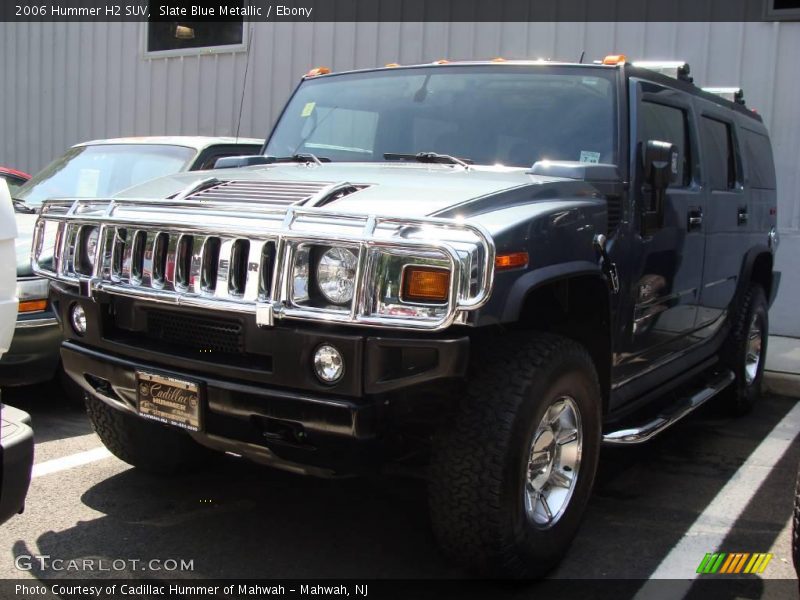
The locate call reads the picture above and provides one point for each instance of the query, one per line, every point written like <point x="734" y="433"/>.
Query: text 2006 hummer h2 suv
<point x="489" y="268"/>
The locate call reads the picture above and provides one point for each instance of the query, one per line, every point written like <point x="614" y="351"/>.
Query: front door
<point x="665" y="272"/>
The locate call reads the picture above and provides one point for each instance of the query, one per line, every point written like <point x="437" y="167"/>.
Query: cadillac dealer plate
<point x="169" y="400"/>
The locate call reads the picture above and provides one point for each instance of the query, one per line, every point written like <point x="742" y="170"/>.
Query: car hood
<point x="401" y="189"/>
<point x="25" y="225"/>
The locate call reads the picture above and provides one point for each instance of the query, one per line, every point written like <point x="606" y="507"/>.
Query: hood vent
<point x="337" y="193"/>
<point x="308" y="193"/>
<point x="272" y="192"/>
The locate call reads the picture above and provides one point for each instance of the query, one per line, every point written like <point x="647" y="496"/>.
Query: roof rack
<point x="677" y="69"/>
<point x="732" y="94"/>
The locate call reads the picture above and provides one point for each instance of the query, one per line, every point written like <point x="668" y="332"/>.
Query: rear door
<point x="667" y="257"/>
<point x="728" y="213"/>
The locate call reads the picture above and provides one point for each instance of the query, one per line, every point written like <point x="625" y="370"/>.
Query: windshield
<point x="102" y="170"/>
<point x="500" y="114"/>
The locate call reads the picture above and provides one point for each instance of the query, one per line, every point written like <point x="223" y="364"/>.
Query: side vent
<point x="614" y="204"/>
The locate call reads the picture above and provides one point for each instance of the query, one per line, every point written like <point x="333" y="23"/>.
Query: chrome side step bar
<point x="673" y="414"/>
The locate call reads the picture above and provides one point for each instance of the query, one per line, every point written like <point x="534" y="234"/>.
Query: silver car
<point x="99" y="168"/>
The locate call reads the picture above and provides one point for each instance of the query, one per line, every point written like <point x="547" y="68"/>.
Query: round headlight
<point x="328" y="364"/>
<point x="336" y="275"/>
<point x="90" y="246"/>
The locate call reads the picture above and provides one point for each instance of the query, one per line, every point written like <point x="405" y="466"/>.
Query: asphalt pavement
<point x="730" y="480"/>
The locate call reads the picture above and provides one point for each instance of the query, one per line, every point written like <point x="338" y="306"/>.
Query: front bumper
<point x="17" y="451"/>
<point x="265" y="402"/>
<point x="34" y="353"/>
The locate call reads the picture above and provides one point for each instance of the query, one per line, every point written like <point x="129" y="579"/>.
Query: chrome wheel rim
<point x="754" y="344"/>
<point x="554" y="458"/>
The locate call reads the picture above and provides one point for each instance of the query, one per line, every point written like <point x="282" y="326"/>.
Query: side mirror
<point x="660" y="169"/>
<point x="235" y="162"/>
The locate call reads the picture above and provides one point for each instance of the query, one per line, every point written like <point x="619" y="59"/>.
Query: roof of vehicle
<point x="686" y="86"/>
<point x="196" y="142"/>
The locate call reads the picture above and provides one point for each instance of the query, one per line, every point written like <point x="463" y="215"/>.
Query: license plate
<point x="169" y="400"/>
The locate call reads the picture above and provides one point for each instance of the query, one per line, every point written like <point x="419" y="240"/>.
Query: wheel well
<point x="761" y="272"/>
<point x="577" y="308"/>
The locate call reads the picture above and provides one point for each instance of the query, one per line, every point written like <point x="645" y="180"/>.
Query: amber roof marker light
<point x="615" y="59"/>
<point x="318" y="71"/>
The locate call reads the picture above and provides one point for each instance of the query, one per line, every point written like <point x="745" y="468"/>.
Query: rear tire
<point x="507" y="448"/>
<point x="745" y="351"/>
<point x="143" y="444"/>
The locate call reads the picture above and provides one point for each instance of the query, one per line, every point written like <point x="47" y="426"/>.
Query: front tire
<point x="149" y="446"/>
<point x="511" y="476"/>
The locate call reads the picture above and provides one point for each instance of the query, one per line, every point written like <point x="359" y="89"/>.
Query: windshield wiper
<point x="305" y="157"/>
<point x="21" y="207"/>
<point x="430" y="157"/>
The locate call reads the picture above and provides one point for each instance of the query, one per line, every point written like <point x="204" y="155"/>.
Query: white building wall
<point x="69" y="82"/>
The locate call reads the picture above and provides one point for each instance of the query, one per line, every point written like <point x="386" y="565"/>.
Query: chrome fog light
<point x="328" y="364"/>
<point x="77" y="317"/>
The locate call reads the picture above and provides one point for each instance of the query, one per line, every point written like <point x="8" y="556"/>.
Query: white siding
<point x="69" y="82"/>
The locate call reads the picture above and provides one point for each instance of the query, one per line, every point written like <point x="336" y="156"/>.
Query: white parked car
<point x="16" y="440"/>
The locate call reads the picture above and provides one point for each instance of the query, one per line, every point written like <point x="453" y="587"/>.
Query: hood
<point x="25" y="225"/>
<point x="402" y="189"/>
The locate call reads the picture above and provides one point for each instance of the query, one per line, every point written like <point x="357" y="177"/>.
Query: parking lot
<point x="711" y="478"/>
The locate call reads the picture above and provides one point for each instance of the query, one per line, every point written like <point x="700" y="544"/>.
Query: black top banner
<point x="399" y="10"/>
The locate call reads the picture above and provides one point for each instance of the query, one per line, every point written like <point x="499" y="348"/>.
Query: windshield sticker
<point x="308" y="109"/>
<point x="88" y="182"/>
<point x="590" y="157"/>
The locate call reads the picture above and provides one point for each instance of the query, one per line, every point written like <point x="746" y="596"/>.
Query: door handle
<point x="695" y="219"/>
<point x="742" y="217"/>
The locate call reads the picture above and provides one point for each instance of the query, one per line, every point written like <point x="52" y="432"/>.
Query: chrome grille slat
<point x="223" y="268"/>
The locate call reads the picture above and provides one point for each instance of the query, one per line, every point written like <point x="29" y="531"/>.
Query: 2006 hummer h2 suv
<point x="486" y="268"/>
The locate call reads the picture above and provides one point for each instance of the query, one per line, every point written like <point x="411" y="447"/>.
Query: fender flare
<point x="748" y="263"/>
<point x="539" y="277"/>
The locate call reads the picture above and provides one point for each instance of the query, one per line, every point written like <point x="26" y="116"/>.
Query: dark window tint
<point x="760" y="165"/>
<point x="786" y="4"/>
<point x="181" y="35"/>
<point x="668" y="124"/>
<point x="719" y="159"/>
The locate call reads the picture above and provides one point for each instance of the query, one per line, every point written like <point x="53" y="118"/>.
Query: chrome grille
<point x="272" y="192"/>
<point x="211" y="266"/>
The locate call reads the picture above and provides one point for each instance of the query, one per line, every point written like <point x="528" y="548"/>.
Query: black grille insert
<point x="198" y="334"/>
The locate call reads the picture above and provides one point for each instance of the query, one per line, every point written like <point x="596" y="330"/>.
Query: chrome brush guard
<point x="241" y="257"/>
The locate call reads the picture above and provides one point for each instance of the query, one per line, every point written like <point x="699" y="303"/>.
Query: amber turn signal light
<point x="31" y="306"/>
<point x="425" y="284"/>
<point x="512" y="260"/>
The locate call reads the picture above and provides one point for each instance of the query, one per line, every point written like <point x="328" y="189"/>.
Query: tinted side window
<point x="720" y="161"/>
<point x="759" y="160"/>
<point x="668" y="124"/>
